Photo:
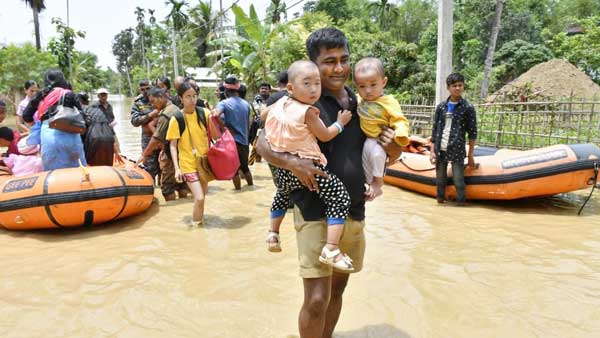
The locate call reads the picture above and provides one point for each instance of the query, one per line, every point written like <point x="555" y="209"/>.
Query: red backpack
<point x="222" y="152"/>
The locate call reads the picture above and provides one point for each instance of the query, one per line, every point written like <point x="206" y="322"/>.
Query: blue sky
<point x="100" y="19"/>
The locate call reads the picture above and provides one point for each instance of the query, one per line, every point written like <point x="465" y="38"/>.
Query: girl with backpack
<point x="189" y="147"/>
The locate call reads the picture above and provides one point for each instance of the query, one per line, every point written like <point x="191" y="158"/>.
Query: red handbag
<point x="222" y="152"/>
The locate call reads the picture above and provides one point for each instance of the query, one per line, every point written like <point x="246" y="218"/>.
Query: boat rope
<point x="594" y="183"/>
<point x="413" y="169"/>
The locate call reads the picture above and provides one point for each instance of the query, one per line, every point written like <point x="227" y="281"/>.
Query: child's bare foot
<point x="273" y="241"/>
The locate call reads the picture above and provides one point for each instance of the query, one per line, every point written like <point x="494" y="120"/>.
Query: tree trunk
<point x="489" y="59"/>
<point x="174" y="46"/>
<point x="144" y="58"/>
<point x="36" y="24"/>
<point x="181" y="56"/>
<point x="129" y="80"/>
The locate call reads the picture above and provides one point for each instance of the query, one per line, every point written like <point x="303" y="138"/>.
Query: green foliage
<point x="314" y="21"/>
<point x="518" y="56"/>
<point x="275" y="11"/>
<point x="203" y="24"/>
<point x="336" y="9"/>
<point x="581" y="50"/>
<point x="139" y="72"/>
<point x="86" y="73"/>
<point x="249" y="54"/>
<point x="567" y="12"/>
<point x="176" y="17"/>
<point x="287" y="45"/>
<point x="21" y="63"/>
<point x="413" y="18"/>
<point x="400" y="59"/>
<point x="403" y="34"/>
<point x="63" y="45"/>
<point x="383" y="12"/>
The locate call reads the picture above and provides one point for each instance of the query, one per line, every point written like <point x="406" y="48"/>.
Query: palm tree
<point x="276" y="8"/>
<point x="384" y="11"/>
<point x="489" y="59"/>
<point x="36" y="6"/>
<point x="204" y="26"/>
<point x="141" y="31"/>
<point x="178" y="20"/>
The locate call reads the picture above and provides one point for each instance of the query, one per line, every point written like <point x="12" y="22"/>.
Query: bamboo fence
<point x="522" y="125"/>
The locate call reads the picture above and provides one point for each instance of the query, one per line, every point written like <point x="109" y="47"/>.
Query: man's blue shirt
<point x="236" y="115"/>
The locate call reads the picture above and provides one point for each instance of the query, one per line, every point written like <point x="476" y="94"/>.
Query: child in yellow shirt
<point x="376" y="109"/>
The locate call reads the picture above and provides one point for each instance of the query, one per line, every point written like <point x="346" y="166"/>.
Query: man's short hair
<point x="282" y="77"/>
<point x="143" y="83"/>
<point x="242" y="91"/>
<point x="2" y="104"/>
<point x="369" y="64"/>
<point x="454" y="78"/>
<point x="7" y="134"/>
<point x="157" y="92"/>
<point x="327" y="38"/>
<point x="265" y="84"/>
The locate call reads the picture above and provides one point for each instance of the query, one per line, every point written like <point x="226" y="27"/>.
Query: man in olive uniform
<point x="168" y="184"/>
<point x="143" y="115"/>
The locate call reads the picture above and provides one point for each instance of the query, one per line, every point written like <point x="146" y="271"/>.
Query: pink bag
<point x="222" y="153"/>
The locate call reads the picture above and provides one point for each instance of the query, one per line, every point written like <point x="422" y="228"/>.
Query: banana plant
<point x="249" y="52"/>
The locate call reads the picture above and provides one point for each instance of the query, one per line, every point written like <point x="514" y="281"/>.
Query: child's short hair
<point x="454" y="78"/>
<point x="369" y="64"/>
<point x="7" y="134"/>
<point x="297" y="67"/>
<point x="2" y="104"/>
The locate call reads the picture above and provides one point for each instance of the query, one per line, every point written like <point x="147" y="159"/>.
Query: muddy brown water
<point x="517" y="269"/>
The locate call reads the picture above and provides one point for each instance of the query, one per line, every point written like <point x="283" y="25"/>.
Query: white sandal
<point x="329" y="257"/>
<point x="273" y="242"/>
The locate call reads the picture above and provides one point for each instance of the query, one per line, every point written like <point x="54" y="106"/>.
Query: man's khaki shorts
<point x="312" y="236"/>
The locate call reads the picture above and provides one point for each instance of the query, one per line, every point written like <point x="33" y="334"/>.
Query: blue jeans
<point x="458" y="177"/>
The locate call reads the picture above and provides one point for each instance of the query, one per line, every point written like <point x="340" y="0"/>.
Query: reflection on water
<point x="129" y="136"/>
<point x="495" y="269"/>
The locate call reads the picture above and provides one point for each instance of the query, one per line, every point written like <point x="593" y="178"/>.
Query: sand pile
<point x="552" y="80"/>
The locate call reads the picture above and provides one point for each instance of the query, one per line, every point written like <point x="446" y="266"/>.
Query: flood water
<point x="518" y="269"/>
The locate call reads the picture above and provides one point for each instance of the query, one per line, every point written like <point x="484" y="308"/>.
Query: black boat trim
<point x="46" y="200"/>
<point x="47" y="207"/>
<point x="126" y="196"/>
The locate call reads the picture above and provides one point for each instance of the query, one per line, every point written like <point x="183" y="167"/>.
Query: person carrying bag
<point x="67" y="119"/>
<point x="59" y="149"/>
<point x="202" y="165"/>
<point x="222" y="153"/>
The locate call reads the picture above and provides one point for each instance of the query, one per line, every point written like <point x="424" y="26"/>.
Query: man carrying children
<point x="323" y="286"/>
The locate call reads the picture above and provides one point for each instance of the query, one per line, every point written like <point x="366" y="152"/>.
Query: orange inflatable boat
<point x="73" y="197"/>
<point x="506" y="174"/>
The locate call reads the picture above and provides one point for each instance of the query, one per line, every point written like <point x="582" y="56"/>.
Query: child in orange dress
<point x="293" y="126"/>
